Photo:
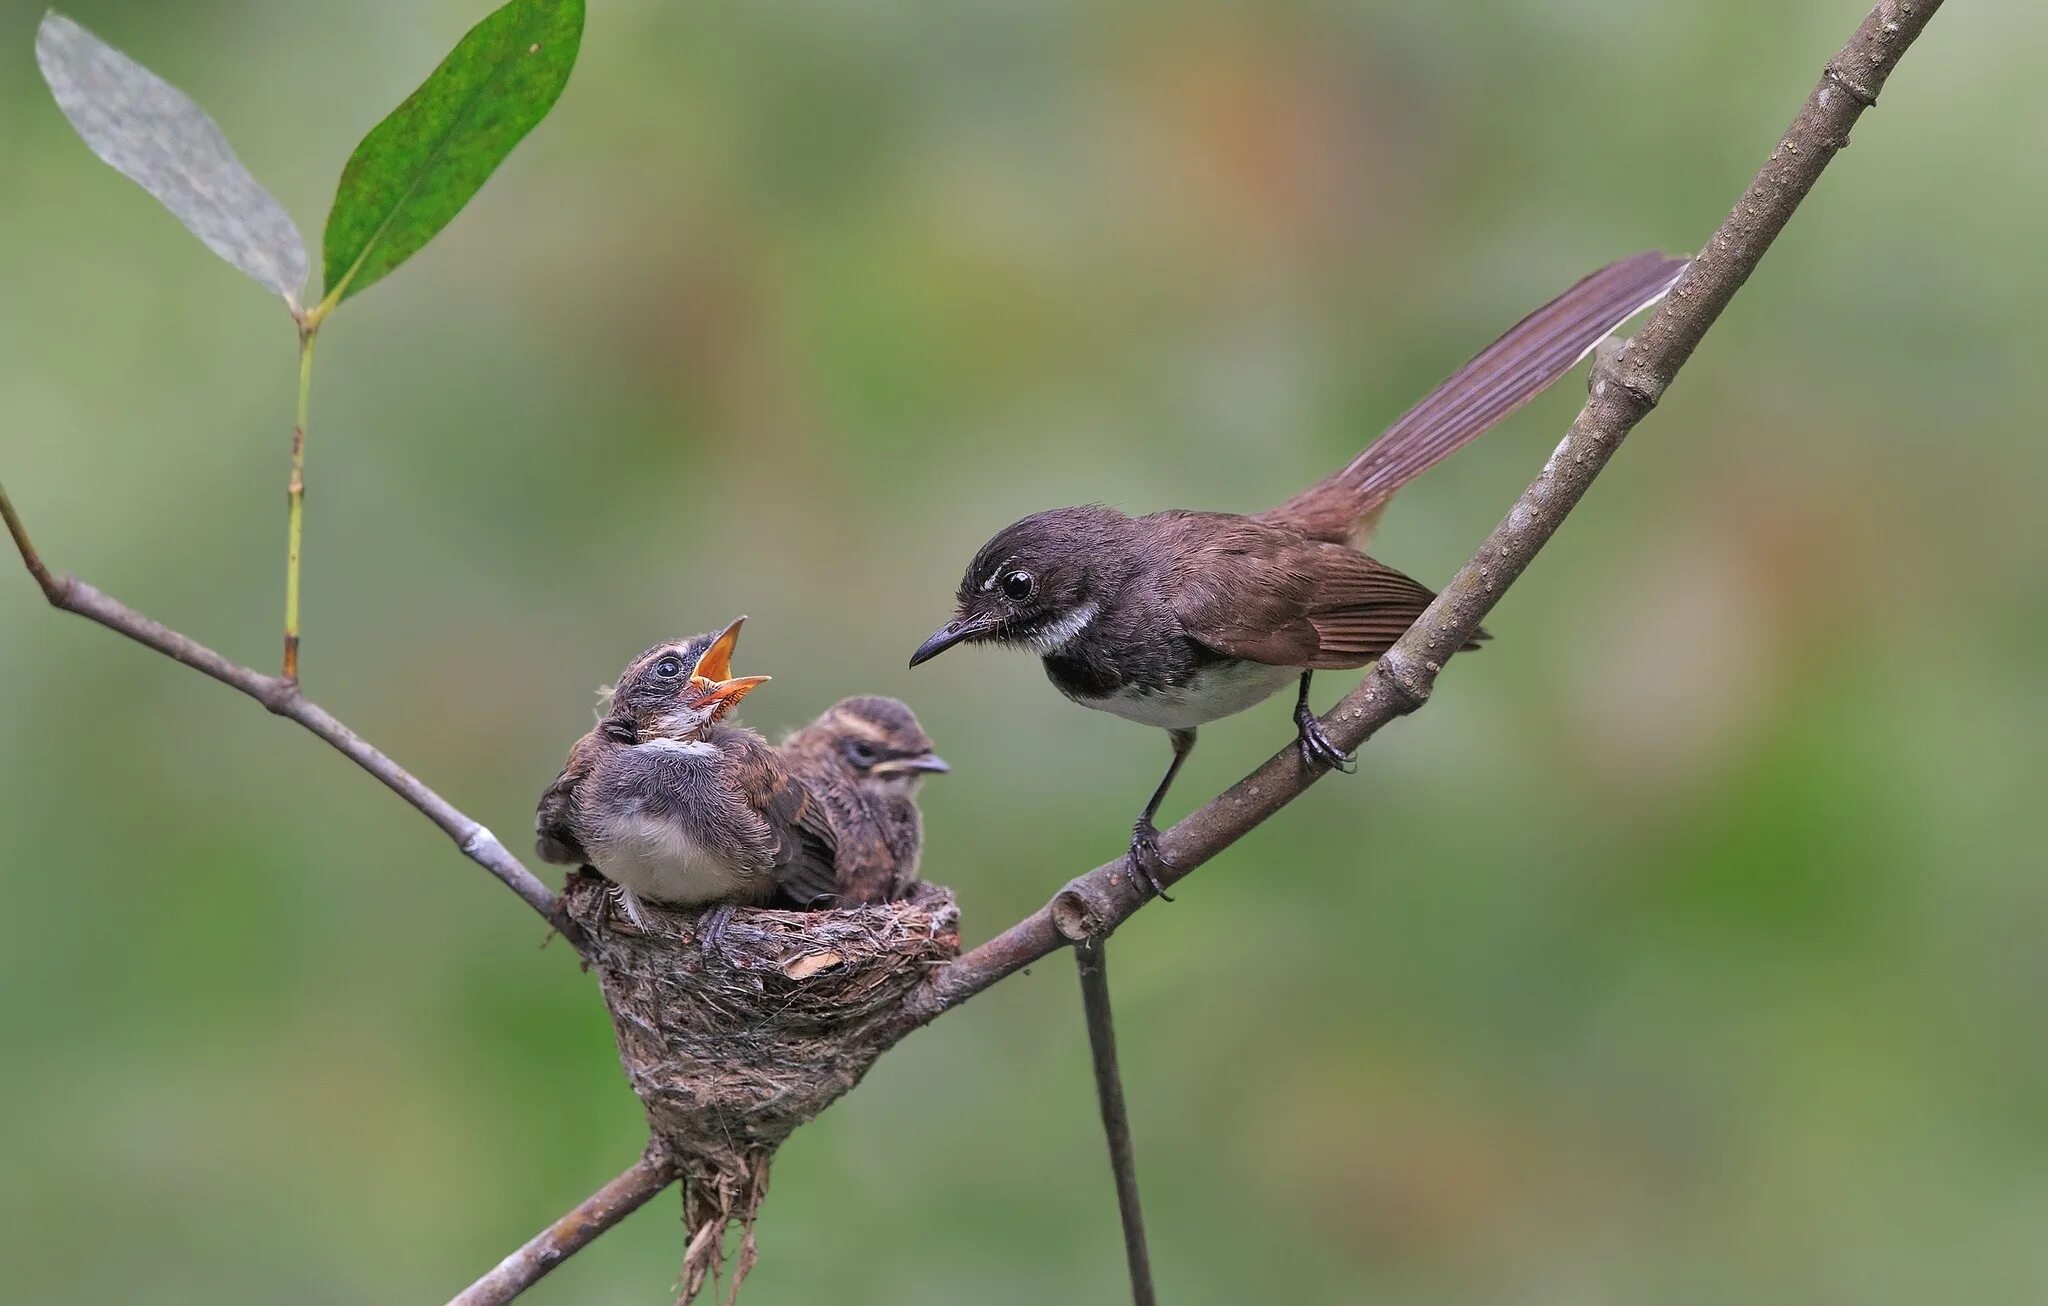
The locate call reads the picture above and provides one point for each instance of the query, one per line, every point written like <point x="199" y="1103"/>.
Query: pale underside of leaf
<point x="154" y="134"/>
<point x="419" y="167"/>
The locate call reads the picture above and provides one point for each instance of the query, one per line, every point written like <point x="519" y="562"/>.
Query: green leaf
<point x="415" y="170"/>
<point x="155" y="135"/>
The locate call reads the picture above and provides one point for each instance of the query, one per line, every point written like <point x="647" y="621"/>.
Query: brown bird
<point x="865" y="759"/>
<point x="673" y="805"/>
<point x="1178" y="619"/>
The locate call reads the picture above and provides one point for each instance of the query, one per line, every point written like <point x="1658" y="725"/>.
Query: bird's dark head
<point x="1038" y="583"/>
<point x="878" y="739"/>
<point x="678" y="689"/>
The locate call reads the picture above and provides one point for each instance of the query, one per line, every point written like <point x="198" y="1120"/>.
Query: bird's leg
<point x="1316" y="747"/>
<point x="1145" y="852"/>
<point x="711" y="928"/>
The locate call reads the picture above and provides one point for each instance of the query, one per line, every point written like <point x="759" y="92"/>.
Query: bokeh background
<point x="1687" y="949"/>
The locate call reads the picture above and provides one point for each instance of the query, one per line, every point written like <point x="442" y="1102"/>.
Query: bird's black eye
<point x="860" y="752"/>
<point x="1018" y="585"/>
<point x="669" y="667"/>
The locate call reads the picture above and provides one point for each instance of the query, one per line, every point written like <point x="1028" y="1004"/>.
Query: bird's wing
<point x="1263" y="593"/>
<point x="903" y="835"/>
<point x="805" y="854"/>
<point x="554" y="821"/>
<point x="866" y="859"/>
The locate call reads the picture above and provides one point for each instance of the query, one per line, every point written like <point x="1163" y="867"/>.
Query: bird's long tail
<point x="1508" y="373"/>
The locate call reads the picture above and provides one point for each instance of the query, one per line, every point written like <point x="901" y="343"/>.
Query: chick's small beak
<point x="957" y="631"/>
<point x="725" y="695"/>
<point x="715" y="663"/>
<point x="922" y="764"/>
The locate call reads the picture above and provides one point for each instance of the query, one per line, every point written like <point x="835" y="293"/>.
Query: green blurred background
<point x="1687" y="949"/>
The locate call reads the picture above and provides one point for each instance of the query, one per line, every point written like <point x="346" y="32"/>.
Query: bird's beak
<point x="725" y="695"/>
<point x="957" y="631"/>
<point x="922" y="764"/>
<point x="716" y="662"/>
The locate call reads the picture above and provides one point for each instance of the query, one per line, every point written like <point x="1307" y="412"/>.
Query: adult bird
<point x="1177" y="619"/>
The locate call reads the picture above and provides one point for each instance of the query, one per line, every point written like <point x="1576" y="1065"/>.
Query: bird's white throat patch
<point x="1066" y="630"/>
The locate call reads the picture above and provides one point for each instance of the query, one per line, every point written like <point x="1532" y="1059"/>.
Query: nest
<point x="731" y="1048"/>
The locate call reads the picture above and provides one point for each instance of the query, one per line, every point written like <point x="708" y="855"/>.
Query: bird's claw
<point x="711" y="928"/>
<point x="1317" y="748"/>
<point x="1145" y="855"/>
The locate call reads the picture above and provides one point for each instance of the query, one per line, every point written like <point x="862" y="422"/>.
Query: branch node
<point x="479" y="839"/>
<point x="1074" y="917"/>
<point x="280" y="696"/>
<point x="1087" y="910"/>
<point x="57" y="589"/>
<point x="1411" y="683"/>
<point x="1858" y="92"/>
<point x="1612" y="366"/>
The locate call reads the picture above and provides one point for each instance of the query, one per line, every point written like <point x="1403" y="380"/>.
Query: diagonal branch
<point x="283" y="698"/>
<point x="1626" y="383"/>
<point x="570" y="1234"/>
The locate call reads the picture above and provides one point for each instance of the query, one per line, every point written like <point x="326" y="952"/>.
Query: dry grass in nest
<point x="731" y="1048"/>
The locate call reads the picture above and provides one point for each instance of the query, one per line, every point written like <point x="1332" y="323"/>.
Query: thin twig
<point x="29" y="557"/>
<point x="570" y="1234"/>
<point x="284" y="699"/>
<point x="1091" y="958"/>
<point x="1626" y="383"/>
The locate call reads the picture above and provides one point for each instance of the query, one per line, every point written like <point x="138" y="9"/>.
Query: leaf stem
<point x="295" y="496"/>
<point x="29" y="556"/>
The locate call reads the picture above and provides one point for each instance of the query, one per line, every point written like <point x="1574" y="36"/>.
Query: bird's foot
<point x="1145" y="855"/>
<point x="711" y="928"/>
<point x="1317" y="749"/>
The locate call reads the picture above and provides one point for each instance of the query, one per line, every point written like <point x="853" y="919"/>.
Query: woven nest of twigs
<point x="732" y="1047"/>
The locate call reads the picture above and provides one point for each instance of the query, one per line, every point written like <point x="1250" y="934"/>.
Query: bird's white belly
<point x="1214" y="693"/>
<point x="658" y="860"/>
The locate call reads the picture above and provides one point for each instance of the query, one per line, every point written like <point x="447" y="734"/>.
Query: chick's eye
<point x="1018" y="585"/>
<point x="861" y="752"/>
<point x="669" y="667"/>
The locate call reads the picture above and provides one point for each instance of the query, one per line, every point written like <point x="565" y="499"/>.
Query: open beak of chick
<point x="712" y="681"/>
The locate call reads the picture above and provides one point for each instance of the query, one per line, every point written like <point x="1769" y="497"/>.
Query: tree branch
<point x="570" y="1234"/>
<point x="1092" y="960"/>
<point x="1626" y="383"/>
<point x="283" y="698"/>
